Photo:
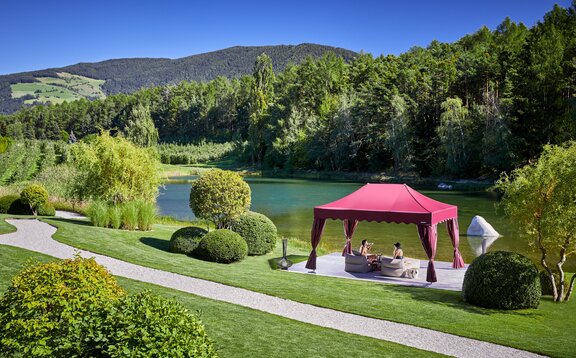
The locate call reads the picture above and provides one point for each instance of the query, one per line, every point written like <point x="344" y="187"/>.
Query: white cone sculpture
<point x="481" y="235"/>
<point x="480" y="227"/>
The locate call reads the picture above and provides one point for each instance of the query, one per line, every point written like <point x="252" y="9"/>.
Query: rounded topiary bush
<point x="34" y="195"/>
<point x="145" y="325"/>
<point x="258" y="231"/>
<point x="6" y="202"/>
<point x="19" y="208"/>
<point x="46" y="210"/>
<point x="53" y="308"/>
<point x="501" y="279"/>
<point x="186" y="239"/>
<point x="223" y="245"/>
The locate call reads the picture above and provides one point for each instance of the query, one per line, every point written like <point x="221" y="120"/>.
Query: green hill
<point x="95" y="80"/>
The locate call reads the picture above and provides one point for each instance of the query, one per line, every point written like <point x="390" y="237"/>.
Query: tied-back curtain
<point x="428" y="236"/>
<point x="452" y="226"/>
<point x="349" y="228"/>
<point x="316" y="235"/>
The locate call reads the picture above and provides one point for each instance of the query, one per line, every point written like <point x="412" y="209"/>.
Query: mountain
<point x="94" y="80"/>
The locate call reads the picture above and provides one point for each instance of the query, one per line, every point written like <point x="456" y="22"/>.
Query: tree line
<point x="476" y="107"/>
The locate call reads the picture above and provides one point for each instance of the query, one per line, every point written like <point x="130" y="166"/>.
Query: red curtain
<point x="349" y="228"/>
<point x="316" y="235"/>
<point x="428" y="236"/>
<point x="452" y="226"/>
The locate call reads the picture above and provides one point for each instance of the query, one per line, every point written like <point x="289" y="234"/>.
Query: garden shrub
<point x="145" y="325"/>
<point x="115" y="216"/>
<point x="46" y="210"/>
<point x="34" y="195"/>
<point x="19" y="208"/>
<point x="219" y="196"/>
<point x="222" y="245"/>
<point x="52" y="309"/>
<point x="186" y="239"/>
<point x="6" y="202"/>
<point x="503" y="280"/>
<point x="258" y="231"/>
<point x="98" y="213"/>
<point x="146" y="215"/>
<point x="129" y="216"/>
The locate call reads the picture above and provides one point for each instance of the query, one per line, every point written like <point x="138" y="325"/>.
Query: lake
<point x="289" y="204"/>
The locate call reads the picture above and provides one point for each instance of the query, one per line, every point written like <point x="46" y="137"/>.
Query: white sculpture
<point x="480" y="227"/>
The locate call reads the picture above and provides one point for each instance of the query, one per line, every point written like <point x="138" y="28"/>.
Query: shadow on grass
<point x="454" y="300"/>
<point x="159" y="244"/>
<point x="70" y="221"/>
<point x="292" y="258"/>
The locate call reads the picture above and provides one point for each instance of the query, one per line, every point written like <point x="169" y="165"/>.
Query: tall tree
<point x="262" y="93"/>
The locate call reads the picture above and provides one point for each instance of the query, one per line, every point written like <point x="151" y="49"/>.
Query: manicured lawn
<point x="243" y="332"/>
<point x="6" y="228"/>
<point x="545" y="330"/>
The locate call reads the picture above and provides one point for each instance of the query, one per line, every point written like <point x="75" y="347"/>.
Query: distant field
<point x="67" y="87"/>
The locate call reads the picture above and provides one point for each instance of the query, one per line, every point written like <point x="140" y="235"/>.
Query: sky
<point x="43" y="34"/>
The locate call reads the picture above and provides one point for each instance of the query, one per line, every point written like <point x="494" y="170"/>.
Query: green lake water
<point x="290" y="202"/>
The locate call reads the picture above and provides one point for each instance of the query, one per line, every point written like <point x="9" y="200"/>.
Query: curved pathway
<point x="37" y="236"/>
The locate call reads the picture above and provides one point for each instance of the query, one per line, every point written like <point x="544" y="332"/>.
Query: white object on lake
<point x="480" y="227"/>
<point x="444" y="186"/>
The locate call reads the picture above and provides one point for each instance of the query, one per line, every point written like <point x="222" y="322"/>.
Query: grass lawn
<point x="546" y="330"/>
<point x="6" y="228"/>
<point x="243" y="332"/>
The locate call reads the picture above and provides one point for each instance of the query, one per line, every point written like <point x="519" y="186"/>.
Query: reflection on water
<point x="290" y="202"/>
<point x="480" y="244"/>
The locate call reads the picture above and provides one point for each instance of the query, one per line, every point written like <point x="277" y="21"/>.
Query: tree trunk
<point x="561" y="274"/>
<point x="570" y="288"/>
<point x="548" y="269"/>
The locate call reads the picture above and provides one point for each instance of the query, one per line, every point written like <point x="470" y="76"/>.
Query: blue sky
<point x="42" y="34"/>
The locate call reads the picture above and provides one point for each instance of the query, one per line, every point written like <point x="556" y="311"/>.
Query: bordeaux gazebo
<point x="396" y="203"/>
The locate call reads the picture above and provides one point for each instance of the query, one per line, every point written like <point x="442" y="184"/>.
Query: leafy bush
<point x="115" y="170"/>
<point x="34" y="195"/>
<point x="46" y="210"/>
<point x="129" y="216"/>
<point x="50" y="310"/>
<point x="219" y="196"/>
<point x="258" y="231"/>
<point x="501" y="279"/>
<point x="144" y="325"/>
<point x="19" y="208"/>
<point x="59" y="180"/>
<point x="6" y="202"/>
<point x="146" y="215"/>
<point x="186" y="239"/>
<point x="222" y="245"/>
<point x="115" y="216"/>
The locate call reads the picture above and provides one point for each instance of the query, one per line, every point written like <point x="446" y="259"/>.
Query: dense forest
<point x="128" y="75"/>
<point x="476" y="107"/>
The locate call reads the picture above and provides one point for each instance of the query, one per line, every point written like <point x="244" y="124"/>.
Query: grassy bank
<point x="239" y="331"/>
<point x="545" y="330"/>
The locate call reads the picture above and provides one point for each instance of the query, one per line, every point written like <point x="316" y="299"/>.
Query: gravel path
<point x="37" y="236"/>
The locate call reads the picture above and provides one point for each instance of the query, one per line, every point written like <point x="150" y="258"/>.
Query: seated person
<point x="398" y="253"/>
<point x="366" y="246"/>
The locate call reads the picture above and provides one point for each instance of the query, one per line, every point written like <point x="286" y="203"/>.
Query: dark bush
<point x="186" y="239"/>
<point x="223" y="245"/>
<point x="19" y="208"/>
<point x="258" y="231"/>
<point x="145" y="325"/>
<point x="53" y="309"/>
<point x="501" y="279"/>
<point x="46" y="210"/>
<point x="6" y="202"/>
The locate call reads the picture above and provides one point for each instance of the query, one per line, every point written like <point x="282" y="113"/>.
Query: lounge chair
<point x="406" y="267"/>
<point x="357" y="263"/>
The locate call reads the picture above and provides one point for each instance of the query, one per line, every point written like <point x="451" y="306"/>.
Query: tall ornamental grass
<point x="98" y="213"/>
<point x="146" y="215"/>
<point x="129" y="215"/>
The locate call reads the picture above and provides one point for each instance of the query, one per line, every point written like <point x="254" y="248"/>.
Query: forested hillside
<point x="130" y="74"/>
<point x="476" y="107"/>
